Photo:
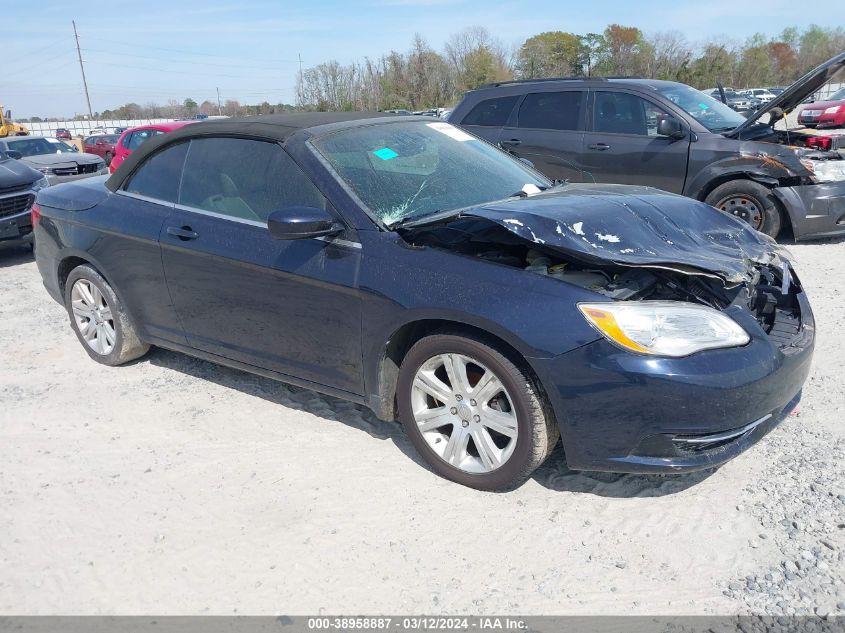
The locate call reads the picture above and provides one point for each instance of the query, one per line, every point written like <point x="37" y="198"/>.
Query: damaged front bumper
<point x="625" y="412"/>
<point x="815" y="211"/>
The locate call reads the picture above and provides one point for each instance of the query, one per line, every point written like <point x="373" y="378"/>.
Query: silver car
<point x="57" y="160"/>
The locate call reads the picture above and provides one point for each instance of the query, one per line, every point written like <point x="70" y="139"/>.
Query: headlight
<point x="664" y="328"/>
<point x="832" y="110"/>
<point x="825" y="170"/>
<point x="40" y="184"/>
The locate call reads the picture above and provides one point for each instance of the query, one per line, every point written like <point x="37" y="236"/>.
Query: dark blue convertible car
<point x="406" y="265"/>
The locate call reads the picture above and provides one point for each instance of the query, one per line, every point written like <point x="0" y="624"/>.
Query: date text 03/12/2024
<point x="424" y="623"/>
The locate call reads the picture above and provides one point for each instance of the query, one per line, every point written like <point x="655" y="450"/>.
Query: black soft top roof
<point x="277" y="127"/>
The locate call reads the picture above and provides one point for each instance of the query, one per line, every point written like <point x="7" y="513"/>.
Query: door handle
<point x="510" y="143"/>
<point x="599" y="146"/>
<point x="184" y="233"/>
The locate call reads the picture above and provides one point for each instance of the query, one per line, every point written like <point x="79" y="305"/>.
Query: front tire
<point x="99" y="320"/>
<point x="748" y="201"/>
<point x="473" y="415"/>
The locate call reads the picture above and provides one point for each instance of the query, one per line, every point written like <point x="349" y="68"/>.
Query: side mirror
<point x="671" y="127"/>
<point x="296" y="223"/>
<point x="10" y="153"/>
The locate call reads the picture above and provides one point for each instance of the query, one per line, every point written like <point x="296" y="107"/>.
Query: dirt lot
<point x="174" y="486"/>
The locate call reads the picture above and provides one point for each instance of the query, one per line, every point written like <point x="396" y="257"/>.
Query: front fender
<point x="753" y="163"/>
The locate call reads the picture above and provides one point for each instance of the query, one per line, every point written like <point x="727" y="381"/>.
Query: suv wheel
<point x="99" y="320"/>
<point x="748" y="201"/>
<point x="474" y="416"/>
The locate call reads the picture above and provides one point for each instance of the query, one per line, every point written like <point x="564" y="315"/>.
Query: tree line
<point x="423" y="77"/>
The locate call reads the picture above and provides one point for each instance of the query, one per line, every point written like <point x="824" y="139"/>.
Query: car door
<point x="622" y="145"/>
<point x="291" y="306"/>
<point x="131" y="221"/>
<point x="90" y="145"/>
<point x="548" y="130"/>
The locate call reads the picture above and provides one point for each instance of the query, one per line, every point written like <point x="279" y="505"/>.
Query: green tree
<point x="190" y="105"/>
<point x="624" y="52"/>
<point x="550" y="54"/>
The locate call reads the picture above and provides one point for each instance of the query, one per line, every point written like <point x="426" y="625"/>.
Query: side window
<point x="244" y="178"/>
<point x="623" y="113"/>
<point x="127" y="140"/>
<point x="551" y="110"/>
<point x="158" y="176"/>
<point x="491" y="113"/>
<point x="90" y="140"/>
<point x="139" y="137"/>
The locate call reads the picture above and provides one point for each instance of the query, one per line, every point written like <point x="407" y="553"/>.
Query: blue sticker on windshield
<point x="703" y="106"/>
<point x="385" y="153"/>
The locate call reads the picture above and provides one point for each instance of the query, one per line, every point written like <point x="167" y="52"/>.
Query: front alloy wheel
<point x="475" y="416"/>
<point x="464" y="413"/>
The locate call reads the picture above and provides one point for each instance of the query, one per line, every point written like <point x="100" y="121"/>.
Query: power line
<point x="174" y="50"/>
<point x="185" y="61"/>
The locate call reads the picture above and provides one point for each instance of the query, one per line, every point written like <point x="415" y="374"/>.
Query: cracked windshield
<point x="404" y="171"/>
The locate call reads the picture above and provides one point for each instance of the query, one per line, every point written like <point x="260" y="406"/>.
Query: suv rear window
<point x="491" y="112"/>
<point x="551" y="110"/>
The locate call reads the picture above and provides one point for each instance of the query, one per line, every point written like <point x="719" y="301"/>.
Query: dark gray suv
<point x="670" y="136"/>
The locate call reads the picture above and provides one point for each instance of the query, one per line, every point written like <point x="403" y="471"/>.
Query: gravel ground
<point x="174" y="486"/>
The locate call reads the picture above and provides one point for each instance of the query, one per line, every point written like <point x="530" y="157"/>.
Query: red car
<point x="63" y="134"/>
<point x="828" y="113"/>
<point x="132" y="139"/>
<point x="102" y="145"/>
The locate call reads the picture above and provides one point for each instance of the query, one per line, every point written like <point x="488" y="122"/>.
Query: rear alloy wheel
<point x="99" y="320"/>
<point x="93" y="316"/>
<point x="750" y="202"/>
<point x="474" y="416"/>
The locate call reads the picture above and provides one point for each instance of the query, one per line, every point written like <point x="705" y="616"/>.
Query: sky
<point x="155" y="50"/>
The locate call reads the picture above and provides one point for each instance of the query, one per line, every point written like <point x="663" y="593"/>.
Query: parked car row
<point x="65" y="134"/>
<point x="30" y="163"/>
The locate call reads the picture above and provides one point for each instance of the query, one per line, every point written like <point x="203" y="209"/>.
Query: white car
<point x="761" y="93"/>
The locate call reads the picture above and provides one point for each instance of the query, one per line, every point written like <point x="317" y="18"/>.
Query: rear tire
<point x="108" y="158"/>
<point x="99" y="319"/>
<point x="489" y="428"/>
<point x="748" y="201"/>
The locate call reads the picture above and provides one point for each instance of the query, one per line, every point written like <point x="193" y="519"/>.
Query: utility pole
<point x="299" y="82"/>
<point x="82" y="68"/>
<point x="219" y="110"/>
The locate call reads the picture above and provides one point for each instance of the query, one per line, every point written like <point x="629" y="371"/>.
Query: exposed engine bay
<point x="769" y="293"/>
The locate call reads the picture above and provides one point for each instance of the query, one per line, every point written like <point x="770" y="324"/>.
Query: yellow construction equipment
<point x="9" y="127"/>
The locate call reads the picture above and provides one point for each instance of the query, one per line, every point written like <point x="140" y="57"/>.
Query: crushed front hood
<point x="635" y="226"/>
<point x="793" y="96"/>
